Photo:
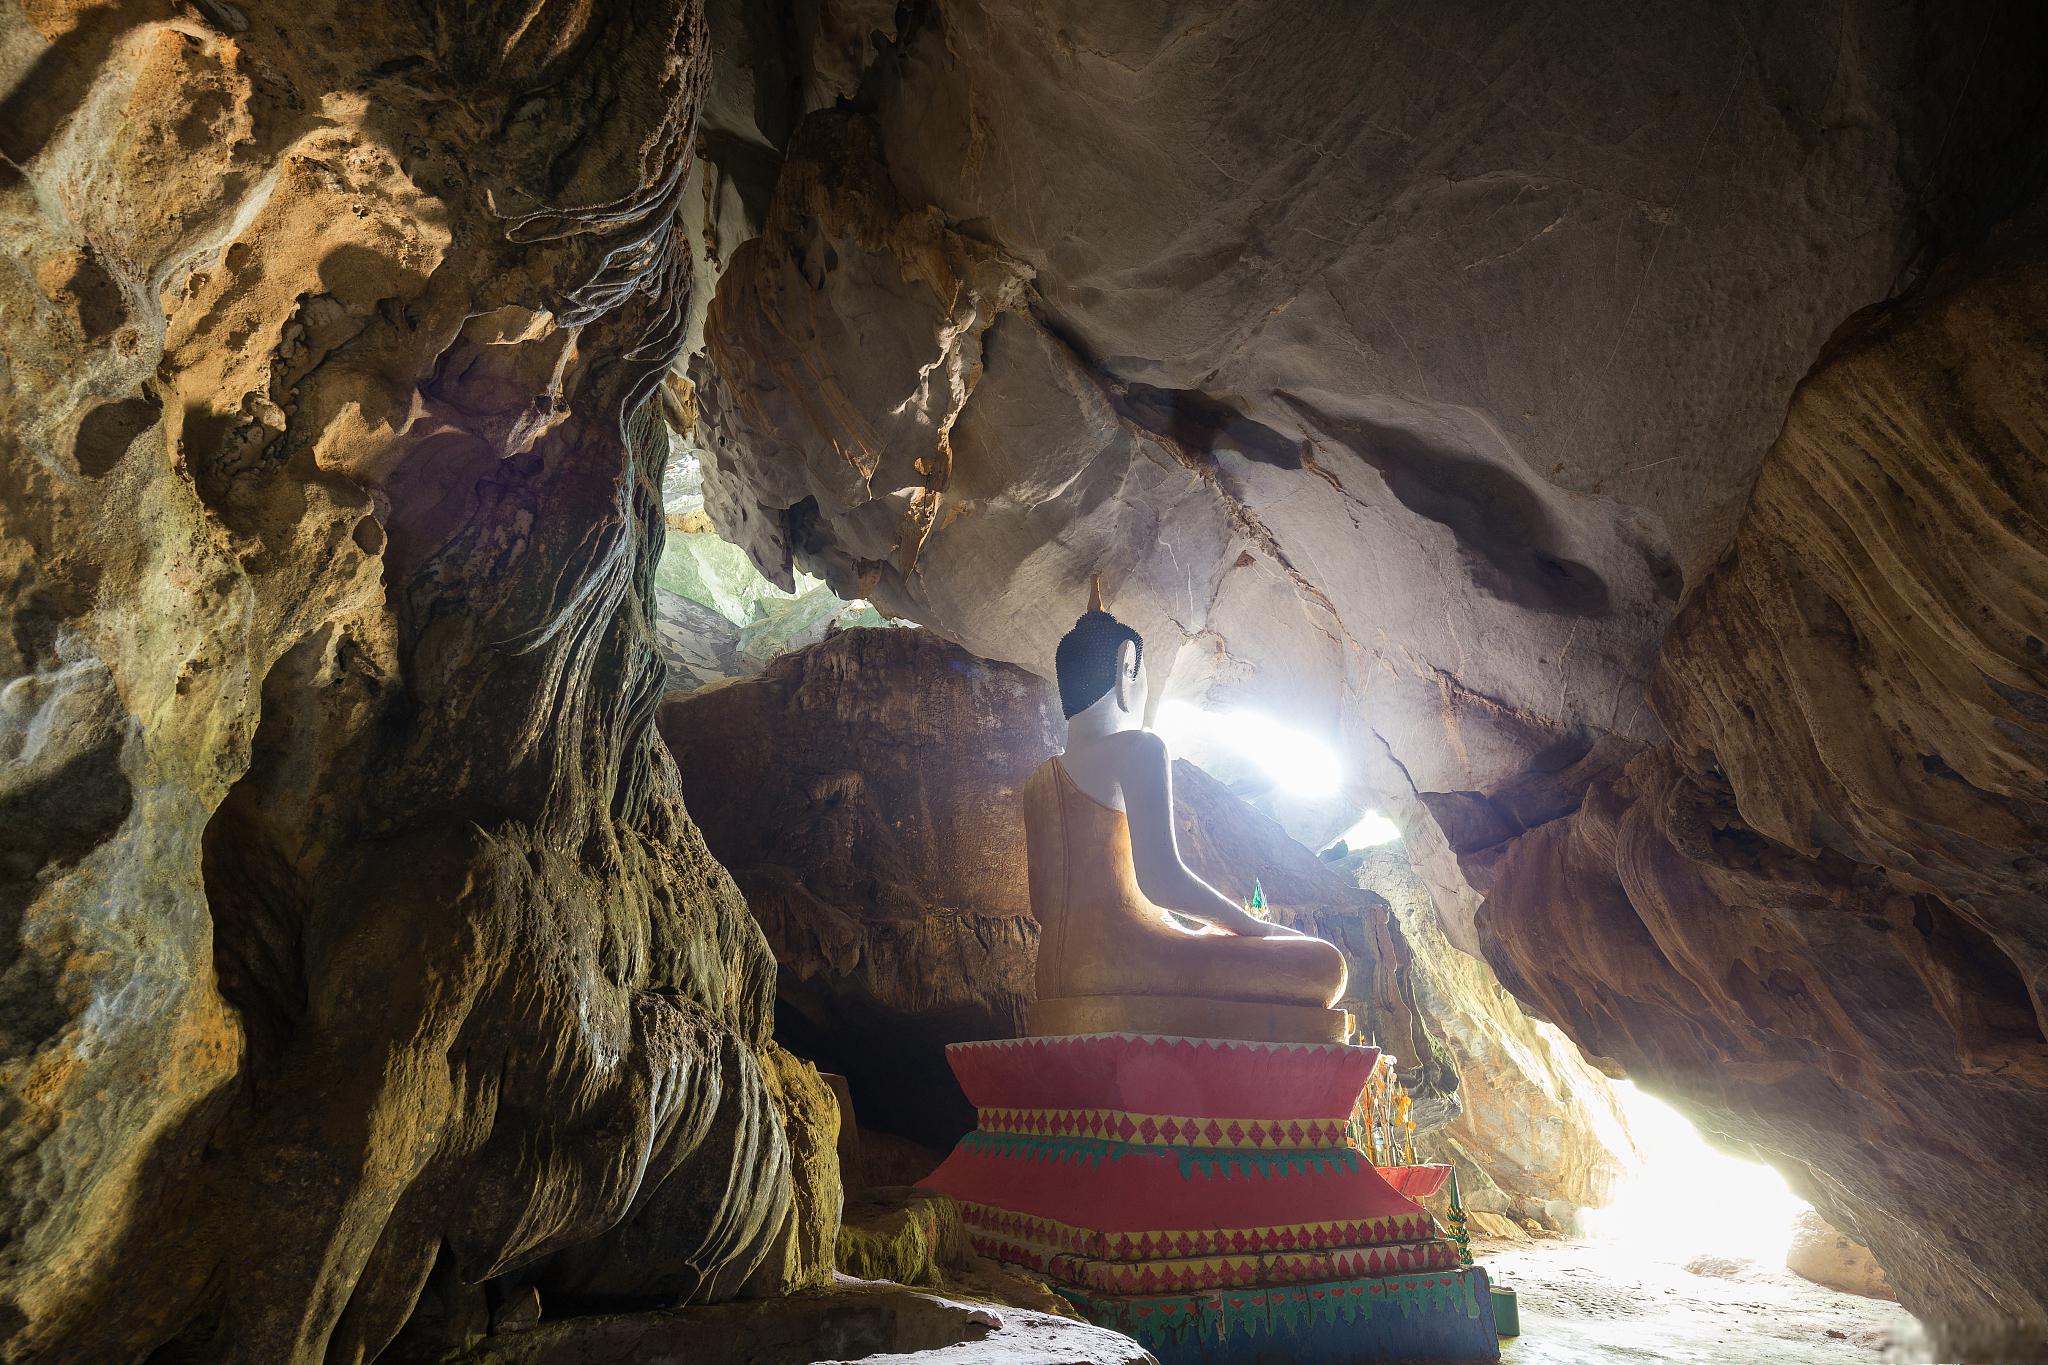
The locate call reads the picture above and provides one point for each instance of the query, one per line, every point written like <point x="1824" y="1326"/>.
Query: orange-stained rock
<point x="1833" y="1258"/>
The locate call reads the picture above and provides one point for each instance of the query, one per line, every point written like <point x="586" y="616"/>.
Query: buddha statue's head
<point x="1100" y="657"/>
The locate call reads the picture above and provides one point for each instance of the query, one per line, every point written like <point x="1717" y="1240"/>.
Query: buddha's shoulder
<point x="1136" y="746"/>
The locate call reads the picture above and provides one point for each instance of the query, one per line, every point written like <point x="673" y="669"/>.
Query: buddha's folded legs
<point x="1167" y="961"/>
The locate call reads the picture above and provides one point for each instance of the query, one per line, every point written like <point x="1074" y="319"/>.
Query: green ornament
<point x="1460" y="1235"/>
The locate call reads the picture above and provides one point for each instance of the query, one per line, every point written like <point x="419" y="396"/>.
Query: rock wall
<point x="354" y="932"/>
<point x="1538" y="1134"/>
<point x="863" y="791"/>
<point x="1829" y="1257"/>
<point x="1401" y="372"/>
<point x="1814" y="918"/>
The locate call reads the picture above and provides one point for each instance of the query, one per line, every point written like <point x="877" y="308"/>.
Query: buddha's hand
<point x="1265" y="928"/>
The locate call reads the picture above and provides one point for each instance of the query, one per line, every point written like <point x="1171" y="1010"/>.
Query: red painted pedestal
<point x="1203" y="1195"/>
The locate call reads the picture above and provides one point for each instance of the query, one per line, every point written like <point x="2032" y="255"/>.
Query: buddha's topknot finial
<point x="1086" y="661"/>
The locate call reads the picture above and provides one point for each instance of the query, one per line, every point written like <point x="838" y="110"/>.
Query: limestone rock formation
<point x="1403" y="373"/>
<point x="354" y="933"/>
<point x="915" y="1237"/>
<point x="1830" y="1257"/>
<point x="715" y="616"/>
<point x="1537" y="1134"/>
<point x="363" y="980"/>
<point x="805" y="1256"/>
<point x="862" y="792"/>
<point x="1813" y="919"/>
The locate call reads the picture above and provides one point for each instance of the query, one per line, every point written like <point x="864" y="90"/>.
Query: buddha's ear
<point x="1126" y="675"/>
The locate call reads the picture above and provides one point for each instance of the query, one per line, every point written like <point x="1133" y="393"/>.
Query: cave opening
<point x="1685" y="1198"/>
<point x="1702" y="1255"/>
<point x="1252" y="749"/>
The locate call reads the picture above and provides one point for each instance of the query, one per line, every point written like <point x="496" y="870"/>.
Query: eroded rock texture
<point x="863" y="792"/>
<point x="1538" y="1134"/>
<point x="1814" y="918"/>
<point x="1401" y="367"/>
<point x="1830" y="1257"/>
<point x="353" y="924"/>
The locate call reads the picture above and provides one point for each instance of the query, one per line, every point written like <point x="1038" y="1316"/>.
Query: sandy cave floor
<point x="1583" y="1304"/>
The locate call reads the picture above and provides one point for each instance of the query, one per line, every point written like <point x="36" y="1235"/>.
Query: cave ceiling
<point x="1399" y="368"/>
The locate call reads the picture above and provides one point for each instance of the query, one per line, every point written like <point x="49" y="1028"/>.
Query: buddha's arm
<point x="1147" y="781"/>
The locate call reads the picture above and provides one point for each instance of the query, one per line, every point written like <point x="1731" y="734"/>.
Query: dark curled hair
<point x="1085" y="662"/>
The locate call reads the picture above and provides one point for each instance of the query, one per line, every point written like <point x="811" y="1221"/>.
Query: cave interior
<point x="532" y="544"/>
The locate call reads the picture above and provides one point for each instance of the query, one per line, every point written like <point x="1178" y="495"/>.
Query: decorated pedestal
<point x="1204" y="1196"/>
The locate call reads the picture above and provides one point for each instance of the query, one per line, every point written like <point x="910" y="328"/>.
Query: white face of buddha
<point x="1130" y="682"/>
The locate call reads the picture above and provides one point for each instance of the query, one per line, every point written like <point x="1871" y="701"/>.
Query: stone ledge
<point x="871" y="1321"/>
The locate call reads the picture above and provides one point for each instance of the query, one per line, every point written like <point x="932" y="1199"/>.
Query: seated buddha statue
<point x="1105" y="869"/>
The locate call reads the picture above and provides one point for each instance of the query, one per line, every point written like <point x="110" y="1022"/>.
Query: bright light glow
<point x="1689" y="1199"/>
<point x="1295" y="760"/>
<point x="1371" y="830"/>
